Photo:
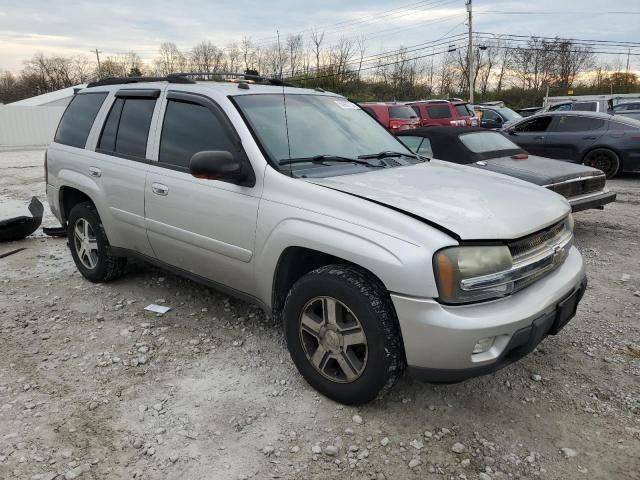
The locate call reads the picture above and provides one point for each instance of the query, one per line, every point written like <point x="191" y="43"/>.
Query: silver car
<point x="373" y="258"/>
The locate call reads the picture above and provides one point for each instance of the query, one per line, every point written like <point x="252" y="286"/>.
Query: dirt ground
<point x="94" y="387"/>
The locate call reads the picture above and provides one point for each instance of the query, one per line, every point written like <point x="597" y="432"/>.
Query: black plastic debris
<point x="54" y="231"/>
<point x="20" y="227"/>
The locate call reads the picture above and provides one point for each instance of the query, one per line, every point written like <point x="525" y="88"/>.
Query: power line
<point x="561" y="38"/>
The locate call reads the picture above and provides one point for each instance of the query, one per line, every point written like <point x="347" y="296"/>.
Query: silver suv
<point x="373" y="258"/>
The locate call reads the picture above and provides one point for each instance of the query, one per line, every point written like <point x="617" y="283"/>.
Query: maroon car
<point x="393" y="116"/>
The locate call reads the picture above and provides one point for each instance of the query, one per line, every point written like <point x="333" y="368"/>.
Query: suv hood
<point x="471" y="204"/>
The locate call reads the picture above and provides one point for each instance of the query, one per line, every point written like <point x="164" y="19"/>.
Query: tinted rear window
<point x="133" y="130"/>
<point x="401" y="112"/>
<point x="586" y="107"/>
<point x="484" y="142"/>
<point x="578" y="124"/>
<point x="78" y="118"/>
<point x="438" y="111"/>
<point x="462" y="110"/>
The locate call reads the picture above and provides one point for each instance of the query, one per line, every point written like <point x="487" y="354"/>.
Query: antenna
<point x="284" y="103"/>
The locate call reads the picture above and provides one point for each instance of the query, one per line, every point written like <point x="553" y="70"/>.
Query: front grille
<point x="549" y="247"/>
<point x="579" y="186"/>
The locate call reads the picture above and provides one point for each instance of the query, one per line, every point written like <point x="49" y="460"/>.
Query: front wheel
<point x="342" y="334"/>
<point x="605" y="160"/>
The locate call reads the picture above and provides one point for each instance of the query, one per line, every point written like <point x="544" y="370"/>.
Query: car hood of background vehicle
<point x="473" y="205"/>
<point x="538" y="170"/>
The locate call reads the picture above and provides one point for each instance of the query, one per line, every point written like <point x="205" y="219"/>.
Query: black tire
<point x="603" y="159"/>
<point x="106" y="265"/>
<point x="365" y="297"/>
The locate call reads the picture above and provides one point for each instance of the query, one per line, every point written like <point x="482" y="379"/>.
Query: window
<point x="578" y="124"/>
<point x="491" y="115"/>
<point x="401" y="111"/>
<point x="483" y="142"/>
<point x="189" y="128"/>
<point x="416" y="109"/>
<point x="562" y="107"/>
<point x="317" y="125"/>
<point x="78" y="118"/>
<point x="412" y="142"/>
<point x="126" y="129"/>
<point x="438" y="111"/>
<point x="586" y="107"/>
<point x="425" y="148"/>
<point x="538" y="124"/>
<point x="462" y="110"/>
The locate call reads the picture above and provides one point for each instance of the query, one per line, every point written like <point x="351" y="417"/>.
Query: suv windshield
<point x="319" y="125"/>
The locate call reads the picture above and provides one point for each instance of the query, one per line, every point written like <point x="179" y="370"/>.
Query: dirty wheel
<point x="605" y="160"/>
<point x="342" y="333"/>
<point x="89" y="245"/>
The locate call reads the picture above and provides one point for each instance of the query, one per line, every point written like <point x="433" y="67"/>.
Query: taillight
<point x="46" y="169"/>
<point x="394" y="124"/>
<point x="457" y="123"/>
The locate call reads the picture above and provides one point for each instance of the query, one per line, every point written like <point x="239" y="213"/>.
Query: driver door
<point x="204" y="227"/>
<point x="531" y="133"/>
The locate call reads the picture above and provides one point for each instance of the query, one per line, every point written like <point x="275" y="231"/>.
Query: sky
<point x="67" y="27"/>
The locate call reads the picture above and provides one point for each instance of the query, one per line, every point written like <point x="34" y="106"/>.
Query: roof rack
<point x="243" y="79"/>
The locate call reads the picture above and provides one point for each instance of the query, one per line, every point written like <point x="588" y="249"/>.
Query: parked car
<point x="496" y="116"/>
<point x="586" y="106"/>
<point x="608" y="143"/>
<point x="628" y="109"/>
<point x="584" y="187"/>
<point x="527" y="112"/>
<point x="372" y="257"/>
<point x="452" y="112"/>
<point x="394" y="117"/>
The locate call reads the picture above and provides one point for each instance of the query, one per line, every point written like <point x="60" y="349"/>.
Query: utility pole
<point x="626" y="75"/>
<point x="470" y="55"/>
<point x="97" y="52"/>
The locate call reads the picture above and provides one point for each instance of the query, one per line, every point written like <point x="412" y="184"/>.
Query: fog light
<point x="483" y="345"/>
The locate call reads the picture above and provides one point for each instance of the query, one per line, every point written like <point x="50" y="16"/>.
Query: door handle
<point x="95" y="172"/>
<point x="589" y="138"/>
<point x="159" y="189"/>
<point x="539" y="137"/>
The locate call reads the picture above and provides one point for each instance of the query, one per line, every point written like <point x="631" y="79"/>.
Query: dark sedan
<point x="584" y="187"/>
<point x="610" y="143"/>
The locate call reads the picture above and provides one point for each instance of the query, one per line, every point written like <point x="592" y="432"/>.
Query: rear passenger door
<point x="120" y="163"/>
<point x="204" y="227"/>
<point x="571" y="135"/>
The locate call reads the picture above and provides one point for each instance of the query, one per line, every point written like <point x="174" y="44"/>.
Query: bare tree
<point x="362" y="47"/>
<point x="233" y="57"/>
<point x="294" y="49"/>
<point x="570" y="59"/>
<point x="204" y="56"/>
<point x="169" y="59"/>
<point x="316" y="40"/>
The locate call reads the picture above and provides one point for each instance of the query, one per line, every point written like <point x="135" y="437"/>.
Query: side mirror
<point x="217" y="165"/>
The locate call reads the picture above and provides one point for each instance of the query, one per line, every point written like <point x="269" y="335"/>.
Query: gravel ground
<point x="94" y="387"/>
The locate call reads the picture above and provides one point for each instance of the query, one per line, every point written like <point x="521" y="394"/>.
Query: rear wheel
<point x="342" y="334"/>
<point x="605" y="160"/>
<point x="89" y="245"/>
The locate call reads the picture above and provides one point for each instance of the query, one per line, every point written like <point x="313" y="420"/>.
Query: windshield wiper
<point x="387" y="154"/>
<point x="331" y="158"/>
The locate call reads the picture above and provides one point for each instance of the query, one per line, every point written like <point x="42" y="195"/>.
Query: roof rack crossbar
<point x="246" y="76"/>
<point x="125" y="80"/>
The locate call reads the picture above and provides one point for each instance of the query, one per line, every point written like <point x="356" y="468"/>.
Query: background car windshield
<point x="483" y="142"/>
<point x="318" y="125"/>
<point x="509" y="114"/>
<point x="402" y="111"/>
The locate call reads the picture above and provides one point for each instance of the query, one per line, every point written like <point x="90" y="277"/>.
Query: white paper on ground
<point x="157" y="308"/>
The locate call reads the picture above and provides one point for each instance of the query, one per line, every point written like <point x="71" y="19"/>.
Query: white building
<point x="33" y="121"/>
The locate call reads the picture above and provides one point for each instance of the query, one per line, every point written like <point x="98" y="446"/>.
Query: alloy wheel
<point x="333" y="339"/>
<point x="85" y="243"/>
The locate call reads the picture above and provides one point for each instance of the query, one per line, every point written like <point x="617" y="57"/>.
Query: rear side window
<point x="438" y="111"/>
<point x="578" y="124"/>
<point x="189" y="128"/>
<point x="401" y="112"/>
<point x="126" y="129"/>
<point x="586" y="107"/>
<point x="417" y="110"/>
<point x="462" y="110"/>
<point x="78" y="119"/>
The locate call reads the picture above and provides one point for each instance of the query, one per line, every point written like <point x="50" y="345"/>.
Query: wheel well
<point x="603" y="147"/>
<point x="294" y="262"/>
<point x="69" y="197"/>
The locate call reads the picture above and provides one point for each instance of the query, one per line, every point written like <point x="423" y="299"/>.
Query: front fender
<point x="401" y="265"/>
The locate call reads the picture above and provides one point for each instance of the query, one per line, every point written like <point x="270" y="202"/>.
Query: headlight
<point x="453" y="265"/>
